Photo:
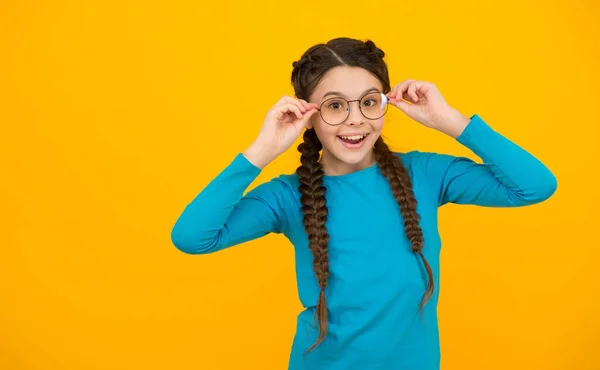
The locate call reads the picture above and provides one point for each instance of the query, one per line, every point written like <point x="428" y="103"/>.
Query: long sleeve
<point x="508" y="177"/>
<point x="221" y="215"/>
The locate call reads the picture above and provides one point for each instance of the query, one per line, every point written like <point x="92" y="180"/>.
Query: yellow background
<point x="106" y="135"/>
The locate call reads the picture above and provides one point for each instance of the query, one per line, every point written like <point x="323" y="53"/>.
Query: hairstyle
<point x="306" y="75"/>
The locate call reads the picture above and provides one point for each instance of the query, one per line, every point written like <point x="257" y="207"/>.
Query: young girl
<point x="362" y="219"/>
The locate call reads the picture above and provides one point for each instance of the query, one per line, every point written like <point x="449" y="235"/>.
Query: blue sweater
<point x="376" y="282"/>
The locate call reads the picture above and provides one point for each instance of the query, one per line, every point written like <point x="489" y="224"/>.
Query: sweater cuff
<point x="476" y="130"/>
<point x="243" y="164"/>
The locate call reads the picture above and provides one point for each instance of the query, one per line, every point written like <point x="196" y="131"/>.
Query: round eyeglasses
<point x="335" y="111"/>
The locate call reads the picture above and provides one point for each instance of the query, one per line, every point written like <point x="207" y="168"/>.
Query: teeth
<point x="355" y="137"/>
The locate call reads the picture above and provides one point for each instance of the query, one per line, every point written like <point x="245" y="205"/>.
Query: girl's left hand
<point x="427" y="106"/>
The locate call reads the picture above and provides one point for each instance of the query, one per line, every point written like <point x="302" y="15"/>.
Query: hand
<point x="283" y="124"/>
<point x="427" y="106"/>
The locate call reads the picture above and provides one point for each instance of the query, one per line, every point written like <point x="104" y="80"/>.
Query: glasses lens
<point x="334" y="111"/>
<point x="370" y="105"/>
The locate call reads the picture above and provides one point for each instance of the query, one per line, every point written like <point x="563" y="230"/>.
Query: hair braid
<point x="397" y="175"/>
<point x="315" y="215"/>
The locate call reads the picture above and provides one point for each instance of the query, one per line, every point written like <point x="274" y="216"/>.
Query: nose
<point x="355" y="117"/>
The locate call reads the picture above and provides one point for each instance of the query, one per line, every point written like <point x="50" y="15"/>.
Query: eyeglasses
<point x="336" y="110"/>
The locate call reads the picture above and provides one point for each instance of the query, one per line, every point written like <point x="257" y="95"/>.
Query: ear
<point x="309" y="123"/>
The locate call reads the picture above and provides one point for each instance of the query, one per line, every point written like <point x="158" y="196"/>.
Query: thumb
<point x="402" y="105"/>
<point x="301" y="123"/>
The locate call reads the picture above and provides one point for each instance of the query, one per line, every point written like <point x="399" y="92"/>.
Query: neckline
<point x="352" y="174"/>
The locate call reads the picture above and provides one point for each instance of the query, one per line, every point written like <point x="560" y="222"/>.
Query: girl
<point x="362" y="219"/>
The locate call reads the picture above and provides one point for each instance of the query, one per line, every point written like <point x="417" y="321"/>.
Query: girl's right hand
<point x="283" y="124"/>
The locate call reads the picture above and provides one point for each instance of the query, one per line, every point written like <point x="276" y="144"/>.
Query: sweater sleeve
<point x="508" y="177"/>
<point x="221" y="216"/>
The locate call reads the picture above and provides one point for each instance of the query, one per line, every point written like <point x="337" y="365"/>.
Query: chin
<point x="352" y="158"/>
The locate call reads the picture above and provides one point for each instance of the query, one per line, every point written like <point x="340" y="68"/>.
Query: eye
<point x="370" y="102"/>
<point x="335" y="105"/>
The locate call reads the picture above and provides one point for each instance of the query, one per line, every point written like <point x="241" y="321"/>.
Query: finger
<point x="296" y="102"/>
<point x="412" y="92"/>
<point x="392" y="93"/>
<point x="402" y="105"/>
<point x="289" y="100"/>
<point x="395" y="89"/>
<point x="400" y="90"/>
<point x="288" y="108"/>
<point x="300" y="124"/>
<point x="308" y="105"/>
<point x="406" y="95"/>
<point x="422" y="88"/>
<point x="304" y="104"/>
<point x="284" y="99"/>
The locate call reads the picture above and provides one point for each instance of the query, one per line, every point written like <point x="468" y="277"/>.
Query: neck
<point x="332" y="166"/>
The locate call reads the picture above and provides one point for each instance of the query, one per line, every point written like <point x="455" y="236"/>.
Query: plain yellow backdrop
<point x="115" y="114"/>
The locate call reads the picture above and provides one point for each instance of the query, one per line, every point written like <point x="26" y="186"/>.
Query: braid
<point x="392" y="168"/>
<point x="315" y="215"/>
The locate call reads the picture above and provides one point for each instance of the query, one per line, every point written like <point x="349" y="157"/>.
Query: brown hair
<point x="307" y="73"/>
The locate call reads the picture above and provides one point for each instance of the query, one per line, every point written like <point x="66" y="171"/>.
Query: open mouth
<point x="355" y="139"/>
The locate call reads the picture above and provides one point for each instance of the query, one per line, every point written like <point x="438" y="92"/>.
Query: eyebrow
<point x="342" y="95"/>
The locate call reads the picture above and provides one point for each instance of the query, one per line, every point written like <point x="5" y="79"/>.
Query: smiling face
<point x="347" y="147"/>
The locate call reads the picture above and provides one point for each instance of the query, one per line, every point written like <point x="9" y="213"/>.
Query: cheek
<point x="325" y="132"/>
<point x="378" y="125"/>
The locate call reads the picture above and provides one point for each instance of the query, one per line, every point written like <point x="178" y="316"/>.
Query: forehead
<point x="350" y="81"/>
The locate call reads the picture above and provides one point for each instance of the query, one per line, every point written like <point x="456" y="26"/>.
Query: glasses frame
<point x="384" y="98"/>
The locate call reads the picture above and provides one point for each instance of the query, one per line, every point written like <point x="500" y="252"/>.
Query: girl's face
<point x="341" y="154"/>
